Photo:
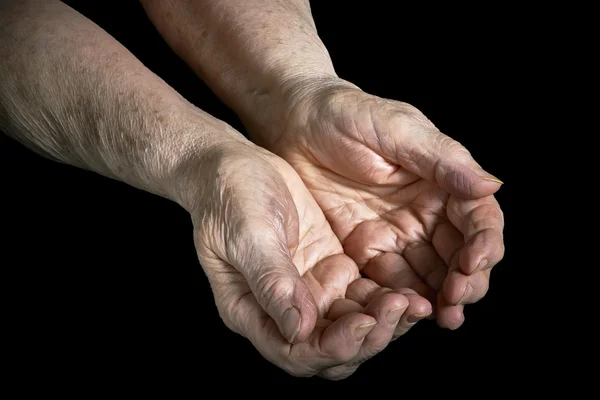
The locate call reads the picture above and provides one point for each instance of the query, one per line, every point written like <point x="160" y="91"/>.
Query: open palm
<point x="276" y="268"/>
<point x="409" y="204"/>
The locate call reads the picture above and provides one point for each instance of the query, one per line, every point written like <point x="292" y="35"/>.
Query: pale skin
<point x="409" y="204"/>
<point x="281" y="237"/>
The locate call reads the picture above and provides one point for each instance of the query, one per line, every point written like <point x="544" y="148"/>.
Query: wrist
<point x="277" y="111"/>
<point x="196" y="161"/>
<point x="180" y="156"/>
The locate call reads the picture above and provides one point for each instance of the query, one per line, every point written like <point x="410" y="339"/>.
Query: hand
<point x="409" y="204"/>
<point x="278" y="272"/>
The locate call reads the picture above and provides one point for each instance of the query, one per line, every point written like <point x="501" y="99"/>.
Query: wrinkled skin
<point x="266" y="247"/>
<point x="409" y="204"/>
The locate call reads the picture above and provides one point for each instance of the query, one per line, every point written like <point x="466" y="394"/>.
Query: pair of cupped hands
<point x="355" y="220"/>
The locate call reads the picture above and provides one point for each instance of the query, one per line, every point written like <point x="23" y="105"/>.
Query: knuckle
<point x="409" y="114"/>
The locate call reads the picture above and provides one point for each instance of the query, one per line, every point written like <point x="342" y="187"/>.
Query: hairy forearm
<point x="72" y="93"/>
<point x="252" y="53"/>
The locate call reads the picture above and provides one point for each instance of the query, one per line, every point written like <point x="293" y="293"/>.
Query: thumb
<point x="444" y="161"/>
<point x="278" y="286"/>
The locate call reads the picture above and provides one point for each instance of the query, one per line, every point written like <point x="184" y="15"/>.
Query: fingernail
<point x="466" y="293"/>
<point x="291" y="323"/>
<point x="416" y="318"/>
<point x="363" y="330"/>
<point x="482" y="264"/>
<point x="492" y="178"/>
<point x="393" y="316"/>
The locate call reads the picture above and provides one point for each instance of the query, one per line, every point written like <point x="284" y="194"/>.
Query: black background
<point x="103" y="279"/>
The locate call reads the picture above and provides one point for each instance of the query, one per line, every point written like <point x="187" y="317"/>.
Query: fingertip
<point x="420" y="309"/>
<point x="283" y="294"/>
<point x="359" y="319"/>
<point x="472" y="267"/>
<point x="298" y="329"/>
<point x="355" y="322"/>
<point x="304" y="331"/>
<point x="297" y="311"/>
<point x="485" y="185"/>
<point x="342" y="340"/>
<point x="417" y="312"/>
<point x="361" y="331"/>
<point x="482" y="251"/>
<point x="400" y="301"/>
<point x="453" y="289"/>
<point x="467" y="181"/>
<point x="396" y="309"/>
<point x="388" y="306"/>
<point x="457" y="321"/>
<point x="491" y="178"/>
<point x="451" y="318"/>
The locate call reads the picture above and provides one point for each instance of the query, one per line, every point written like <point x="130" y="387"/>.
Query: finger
<point x="387" y="309"/>
<point x="418" y="309"/>
<point x="447" y="315"/>
<point x="427" y="263"/>
<point x="330" y="343"/>
<point x="337" y="344"/>
<point x="393" y="271"/>
<point x="277" y="285"/>
<point x="341" y="307"/>
<point x="481" y="222"/>
<point x="448" y="242"/>
<point x="458" y="288"/>
<point x="466" y="289"/>
<point x="422" y="149"/>
<point x="363" y="291"/>
<point x="328" y="280"/>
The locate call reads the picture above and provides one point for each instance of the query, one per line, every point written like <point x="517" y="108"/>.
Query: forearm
<point x="253" y="54"/>
<point x="72" y="93"/>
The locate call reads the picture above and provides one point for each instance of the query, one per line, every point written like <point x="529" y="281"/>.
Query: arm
<point x="251" y="53"/>
<point x="364" y="158"/>
<point x="71" y="93"/>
